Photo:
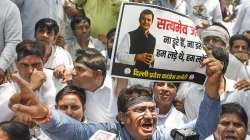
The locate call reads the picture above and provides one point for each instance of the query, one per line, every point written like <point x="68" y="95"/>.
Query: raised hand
<point x="179" y="105"/>
<point x="67" y="76"/>
<point x="25" y="101"/>
<point x="203" y="24"/>
<point x="37" y="79"/>
<point x="60" y="41"/>
<point x="70" y="10"/>
<point x="214" y="72"/>
<point x="59" y="71"/>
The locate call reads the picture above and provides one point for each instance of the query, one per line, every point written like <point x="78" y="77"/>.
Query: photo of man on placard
<point x="137" y="46"/>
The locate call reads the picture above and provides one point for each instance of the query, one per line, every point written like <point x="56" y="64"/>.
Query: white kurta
<point x="10" y="32"/>
<point x="192" y="95"/>
<point x="46" y="94"/>
<point x="101" y="105"/>
<point x="34" y="10"/>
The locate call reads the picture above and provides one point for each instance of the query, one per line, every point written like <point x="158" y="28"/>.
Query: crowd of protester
<point x="55" y="81"/>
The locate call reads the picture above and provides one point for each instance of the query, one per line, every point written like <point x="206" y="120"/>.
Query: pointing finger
<point x="25" y="89"/>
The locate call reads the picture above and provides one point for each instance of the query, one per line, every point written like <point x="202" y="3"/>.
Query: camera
<point x="184" y="134"/>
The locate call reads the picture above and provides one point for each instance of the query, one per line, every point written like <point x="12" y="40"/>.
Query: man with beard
<point x="137" y="112"/>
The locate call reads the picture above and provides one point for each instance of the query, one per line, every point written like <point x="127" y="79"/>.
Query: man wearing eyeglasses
<point x="137" y="115"/>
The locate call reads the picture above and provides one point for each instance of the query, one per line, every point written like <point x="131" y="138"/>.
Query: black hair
<point x="92" y="58"/>
<point x="15" y="130"/>
<point x="235" y="108"/>
<point x="110" y="33"/>
<point x="238" y="37"/>
<point x="130" y="93"/>
<point x="221" y="54"/>
<point x="146" y="12"/>
<point x="48" y="23"/>
<point x="29" y="47"/>
<point x="77" y="19"/>
<point x="72" y="90"/>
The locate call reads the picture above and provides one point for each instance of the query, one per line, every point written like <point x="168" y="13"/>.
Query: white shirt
<point x="235" y="69"/>
<point x="173" y="119"/>
<point x="10" y="32"/>
<point x="34" y="10"/>
<point x="101" y="105"/>
<point x="246" y="72"/>
<point x="46" y="94"/>
<point x="59" y="56"/>
<point x="192" y="95"/>
<point x="6" y="91"/>
<point x="242" y="20"/>
<point x="38" y="134"/>
<point x="208" y="10"/>
<point x="180" y="7"/>
<point x="73" y="45"/>
<point x="122" y="54"/>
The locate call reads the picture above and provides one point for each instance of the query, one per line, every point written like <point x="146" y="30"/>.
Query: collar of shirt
<point x="91" y="43"/>
<point x="106" y="84"/>
<point x="164" y="115"/>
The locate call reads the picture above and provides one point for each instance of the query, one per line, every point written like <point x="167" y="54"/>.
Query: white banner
<point x="157" y="44"/>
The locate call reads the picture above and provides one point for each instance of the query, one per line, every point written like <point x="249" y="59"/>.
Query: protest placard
<point x="157" y="44"/>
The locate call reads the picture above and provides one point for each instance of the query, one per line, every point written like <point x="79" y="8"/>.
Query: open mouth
<point x="147" y="126"/>
<point x="230" y="138"/>
<point x="164" y="94"/>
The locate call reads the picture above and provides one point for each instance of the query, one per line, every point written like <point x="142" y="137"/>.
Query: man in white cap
<point x="218" y="35"/>
<point x="230" y="90"/>
<point x="236" y="70"/>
